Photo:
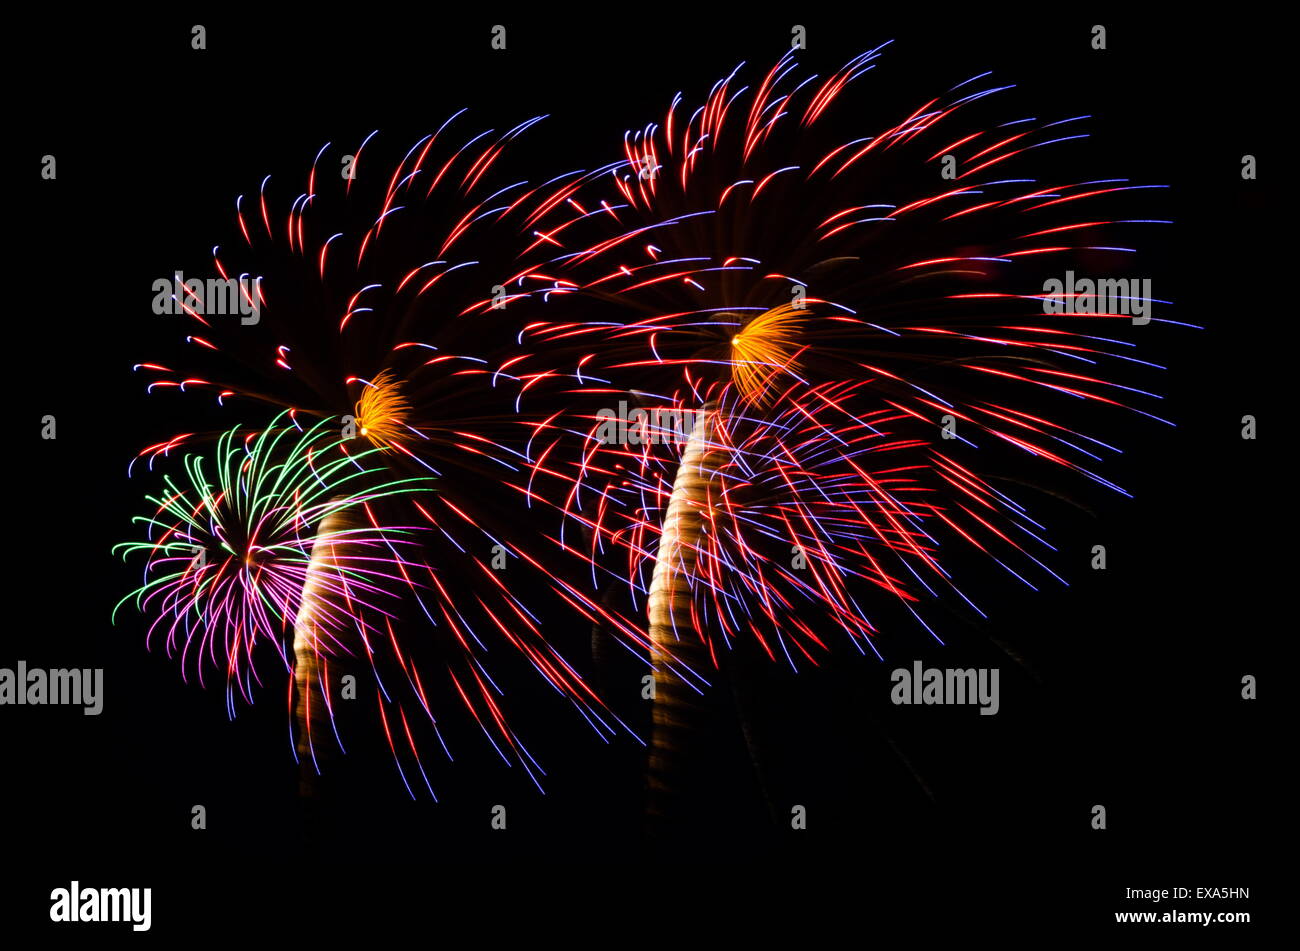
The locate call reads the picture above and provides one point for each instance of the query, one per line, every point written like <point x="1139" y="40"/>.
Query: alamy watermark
<point x="933" y="685"/>
<point x="75" y="904"/>
<point x="645" y="427"/>
<point x="217" y="296"/>
<point x="32" y="685"/>
<point x="1118" y="296"/>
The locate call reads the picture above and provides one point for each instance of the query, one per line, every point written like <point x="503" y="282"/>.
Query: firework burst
<point x="858" y="326"/>
<point x="272" y="545"/>
<point x="361" y="286"/>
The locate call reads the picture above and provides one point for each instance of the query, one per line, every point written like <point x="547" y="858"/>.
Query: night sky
<point x="1122" y="689"/>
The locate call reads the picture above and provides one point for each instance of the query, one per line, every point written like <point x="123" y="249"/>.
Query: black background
<point x="1129" y="694"/>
